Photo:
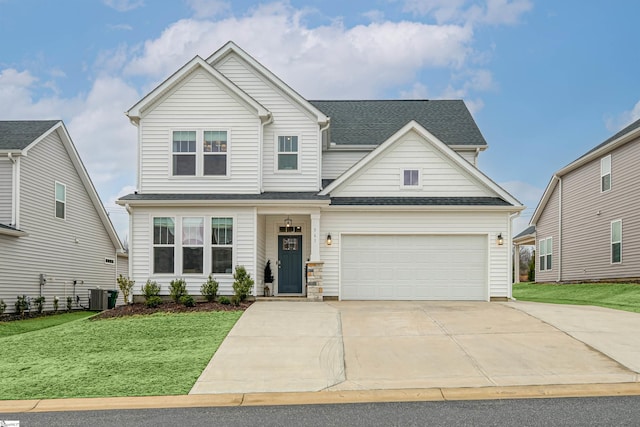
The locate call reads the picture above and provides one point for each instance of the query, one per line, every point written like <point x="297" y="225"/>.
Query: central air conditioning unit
<point x="99" y="300"/>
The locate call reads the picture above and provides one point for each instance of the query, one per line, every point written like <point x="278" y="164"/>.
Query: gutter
<point x="559" y="229"/>
<point x="510" y="263"/>
<point x="260" y="159"/>
<point x="15" y="190"/>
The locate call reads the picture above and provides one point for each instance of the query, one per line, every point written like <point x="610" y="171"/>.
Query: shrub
<point x="224" y="300"/>
<point x="3" y="306"/>
<point x="209" y="290"/>
<point x="177" y="289"/>
<point x="242" y="283"/>
<point x="22" y="304"/>
<point x="55" y="303"/>
<point x="153" y="301"/>
<point x="69" y="303"/>
<point x="268" y="274"/>
<point x="235" y="300"/>
<point x="126" y="285"/>
<point x="39" y="304"/>
<point x="187" y="300"/>
<point x="150" y="289"/>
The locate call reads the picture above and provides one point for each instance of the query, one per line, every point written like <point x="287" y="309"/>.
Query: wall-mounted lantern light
<point x="329" y="241"/>
<point x="288" y="222"/>
<point x="500" y="239"/>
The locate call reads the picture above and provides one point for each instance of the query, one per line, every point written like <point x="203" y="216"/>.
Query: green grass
<point x="621" y="296"/>
<point x="160" y="354"/>
<point x="30" y="325"/>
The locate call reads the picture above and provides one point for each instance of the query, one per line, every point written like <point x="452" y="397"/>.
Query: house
<point x="587" y="226"/>
<point x="373" y="199"/>
<point x="55" y="236"/>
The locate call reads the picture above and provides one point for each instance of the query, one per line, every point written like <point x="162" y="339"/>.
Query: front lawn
<point x="621" y="296"/>
<point x="159" y="354"/>
<point x="30" y="325"/>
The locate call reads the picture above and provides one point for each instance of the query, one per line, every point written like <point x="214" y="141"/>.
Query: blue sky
<point x="545" y="80"/>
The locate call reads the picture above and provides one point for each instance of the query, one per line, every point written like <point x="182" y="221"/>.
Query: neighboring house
<point x="55" y="236"/>
<point x="587" y="226"/>
<point x="382" y="198"/>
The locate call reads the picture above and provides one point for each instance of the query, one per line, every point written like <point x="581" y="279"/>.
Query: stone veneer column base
<point x="314" y="280"/>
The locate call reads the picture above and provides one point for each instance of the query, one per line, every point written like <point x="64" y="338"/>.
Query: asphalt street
<point x="600" y="411"/>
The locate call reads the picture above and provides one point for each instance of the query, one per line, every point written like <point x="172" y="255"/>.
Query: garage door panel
<point x="406" y="267"/>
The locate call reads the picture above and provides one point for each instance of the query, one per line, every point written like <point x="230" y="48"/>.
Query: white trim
<point x="277" y="153"/>
<point x="603" y="172"/>
<point x="55" y="200"/>
<point x="410" y="187"/>
<point x="611" y="243"/>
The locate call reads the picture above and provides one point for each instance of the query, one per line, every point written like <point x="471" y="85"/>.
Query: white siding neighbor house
<point x="357" y="200"/>
<point x="586" y="226"/>
<point x="55" y="236"/>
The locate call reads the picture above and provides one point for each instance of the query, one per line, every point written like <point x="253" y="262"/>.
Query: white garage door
<point x="413" y="267"/>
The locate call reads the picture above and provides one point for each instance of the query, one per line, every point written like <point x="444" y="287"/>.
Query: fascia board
<point x="203" y="203"/>
<point x="428" y="208"/>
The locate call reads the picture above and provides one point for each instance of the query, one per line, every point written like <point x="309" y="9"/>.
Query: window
<point x="411" y="178"/>
<point x="184" y="153"/>
<point x="192" y="245"/>
<point x="61" y="201"/>
<point x="605" y="173"/>
<point x="215" y="152"/>
<point x="163" y="245"/>
<point x="616" y="241"/>
<point x="545" y="256"/>
<point x="222" y="245"/>
<point x="287" y="153"/>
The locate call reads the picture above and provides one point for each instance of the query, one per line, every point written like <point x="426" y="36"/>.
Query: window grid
<point x="163" y="245"/>
<point x="605" y="173"/>
<point x="215" y="152"/>
<point x="545" y="249"/>
<point x="287" y="153"/>
<point x="61" y="200"/>
<point x="184" y="153"/>
<point x="411" y="178"/>
<point x="222" y="245"/>
<point x="192" y="245"/>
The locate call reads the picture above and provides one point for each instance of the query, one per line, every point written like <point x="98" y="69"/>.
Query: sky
<point x="545" y="80"/>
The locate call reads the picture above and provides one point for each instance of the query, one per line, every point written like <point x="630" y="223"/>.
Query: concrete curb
<point x="319" y="398"/>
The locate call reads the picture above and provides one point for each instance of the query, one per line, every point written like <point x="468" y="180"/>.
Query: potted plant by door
<point x="268" y="279"/>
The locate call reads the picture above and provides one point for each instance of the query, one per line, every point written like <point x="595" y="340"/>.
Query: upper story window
<point x="411" y="178"/>
<point x="184" y="152"/>
<point x="163" y="245"/>
<point x="215" y="152"/>
<point x="61" y="200"/>
<point x="545" y="249"/>
<point x="605" y="173"/>
<point x="616" y="241"/>
<point x="287" y="153"/>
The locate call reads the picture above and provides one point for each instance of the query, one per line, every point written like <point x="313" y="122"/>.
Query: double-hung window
<point x="192" y="245"/>
<point x="545" y="249"/>
<point x="61" y="200"/>
<point x="222" y="245"/>
<point x="287" y="153"/>
<point x="163" y="245"/>
<point x="616" y="241"/>
<point x="184" y="152"/>
<point x="215" y="152"/>
<point x="605" y="173"/>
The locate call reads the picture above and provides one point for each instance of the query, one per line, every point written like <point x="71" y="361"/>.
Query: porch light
<point x="288" y="222"/>
<point x="500" y="239"/>
<point x="329" y="241"/>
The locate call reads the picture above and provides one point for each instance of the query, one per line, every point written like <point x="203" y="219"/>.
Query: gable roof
<point x="30" y="133"/>
<point x="622" y="137"/>
<point x="373" y="122"/>
<point x="16" y="135"/>
<point x="526" y="236"/>
<point x="230" y="47"/>
<point x="176" y="78"/>
<point x="437" y="144"/>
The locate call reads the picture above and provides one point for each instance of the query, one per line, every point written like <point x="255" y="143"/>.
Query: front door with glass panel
<point x="290" y="264"/>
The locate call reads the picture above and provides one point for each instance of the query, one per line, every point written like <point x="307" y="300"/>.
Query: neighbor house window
<point x="411" y="178"/>
<point x="163" y="245"/>
<point x="192" y="245"/>
<point x="184" y="152"/>
<point x="222" y="245"/>
<point x="546" y="250"/>
<point x="605" y="173"/>
<point x="287" y="153"/>
<point x="616" y="242"/>
<point x="215" y="152"/>
<point x="61" y="201"/>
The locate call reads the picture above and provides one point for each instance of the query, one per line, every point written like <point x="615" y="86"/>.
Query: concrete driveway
<point x="298" y="346"/>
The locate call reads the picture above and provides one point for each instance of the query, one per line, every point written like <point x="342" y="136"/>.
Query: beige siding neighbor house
<point x="587" y="226"/>
<point x="358" y="200"/>
<point x="56" y="239"/>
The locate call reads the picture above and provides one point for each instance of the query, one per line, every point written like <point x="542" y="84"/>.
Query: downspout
<point x="510" y="227"/>
<point x="559" y="229"/>
<point x="260" y="145"/>
<point x="322" y="129"/>
<point x="130" y="252"/>
<point x="15" y="191"/>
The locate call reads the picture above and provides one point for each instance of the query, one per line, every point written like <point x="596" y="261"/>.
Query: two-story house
<point x="586" y="225"/>
<point x="382" y="199"/>
<point x="56" y="239"/>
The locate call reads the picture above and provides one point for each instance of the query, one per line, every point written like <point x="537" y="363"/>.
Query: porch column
<point x="516" y="262"/>
<point x="315" y="237"/>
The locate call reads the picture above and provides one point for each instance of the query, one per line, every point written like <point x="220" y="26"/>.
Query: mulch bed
<point x="169" y="307"/>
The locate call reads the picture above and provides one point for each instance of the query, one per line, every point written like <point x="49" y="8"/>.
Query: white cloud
<point x="616" y="123"/>
<point x="491" y="12"/>
<point x="124" y="5"/>
<point x="208" y="8"/>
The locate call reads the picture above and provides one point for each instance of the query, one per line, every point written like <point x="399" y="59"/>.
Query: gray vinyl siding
<point x="6" y="184"/>
<point x="587" y="215"/>
<point x="50" y="246"/>
<point x="546" y="227"/>
<point x="199" y="103"/>
<point x="288" y="119"/>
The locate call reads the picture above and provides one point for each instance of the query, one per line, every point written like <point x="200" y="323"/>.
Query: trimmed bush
<point x="153" y="301"/>
<point x="69" y="303"/>
<point x="151" y="291"/>
<point x="187" y="300"/>
<point x="177" y="289"/>
<point x="126" y="285"/>
<point x="22" y="304"/>
<point x="242" y="283"/>
<point x="224" y="300"/>
<point x="3" y="306"/>
<point x="39" y="304"/>
<point x="209" y="290"/>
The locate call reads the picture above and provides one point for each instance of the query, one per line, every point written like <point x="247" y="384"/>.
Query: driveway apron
<point x="366" y="345"/>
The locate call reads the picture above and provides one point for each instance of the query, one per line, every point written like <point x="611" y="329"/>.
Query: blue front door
<point x="290" y="264"/>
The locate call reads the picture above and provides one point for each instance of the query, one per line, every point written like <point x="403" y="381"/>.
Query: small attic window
<point x="410" y="178"/>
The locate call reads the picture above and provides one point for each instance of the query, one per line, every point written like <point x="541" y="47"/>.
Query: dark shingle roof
<point x="8" y="227"/>
<point x="373" y="122"/>
<point x="262" y="196"/>
<point x="624" y="131"/>
<point x="17" y="135"/>
<point x="418" y="201"/>
<point x="527" y="231"/>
